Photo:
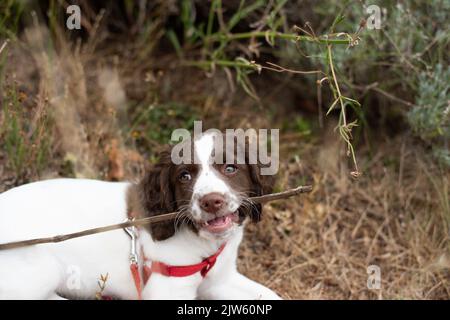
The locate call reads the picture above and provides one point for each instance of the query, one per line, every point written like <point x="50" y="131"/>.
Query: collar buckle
<point x="133" y="234"/>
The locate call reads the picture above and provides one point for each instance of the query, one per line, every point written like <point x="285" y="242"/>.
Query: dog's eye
<point x="184" y="176"/>
<point x="229" y="169"/>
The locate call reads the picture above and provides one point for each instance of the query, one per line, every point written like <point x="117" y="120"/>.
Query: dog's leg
<point x="29" y="274"/>
<point x="55" y="296"/>
<point x="170" y="288"/>
<point x="235" y="287"/>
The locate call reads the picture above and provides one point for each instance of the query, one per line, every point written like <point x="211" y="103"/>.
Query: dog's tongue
<point x="219" y="224"/>
<point x="218" y="221"/>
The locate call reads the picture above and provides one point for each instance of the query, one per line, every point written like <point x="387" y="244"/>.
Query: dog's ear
<point x="262" y="184"/>
<point x="156" y="196"/>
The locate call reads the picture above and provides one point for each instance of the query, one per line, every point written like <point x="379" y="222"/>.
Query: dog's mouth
<point x="220" y="224"/>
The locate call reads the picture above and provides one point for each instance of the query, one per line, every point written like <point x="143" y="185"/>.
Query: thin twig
<point x="278" y="68"/>
<point x="281" y="195"/>
<point x="375" y="87"/>
<point x="5" y="43"/>
<point x="142" y="221"/>
<point x="222" y="63"/>
<point x="392" y="97"/>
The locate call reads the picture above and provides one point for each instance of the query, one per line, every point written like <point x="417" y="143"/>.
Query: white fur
<point x="72" y="268"/>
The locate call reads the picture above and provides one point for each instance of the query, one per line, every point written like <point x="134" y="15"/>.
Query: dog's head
<point x="211" y="198"/>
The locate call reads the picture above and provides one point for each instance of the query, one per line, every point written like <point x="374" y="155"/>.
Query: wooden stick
<point x="281" y="195"/>
<point x="142" y="221"/>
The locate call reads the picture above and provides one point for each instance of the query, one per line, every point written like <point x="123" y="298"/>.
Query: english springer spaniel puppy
<point x="193" y="257"/>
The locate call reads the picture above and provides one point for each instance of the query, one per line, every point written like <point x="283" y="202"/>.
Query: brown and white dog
<point x="213" y="203"/>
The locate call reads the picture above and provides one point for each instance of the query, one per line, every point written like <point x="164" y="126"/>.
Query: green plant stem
<point x="285" y="36"/>
<point x="330" y="61"/>
<point x="344" y="129"/>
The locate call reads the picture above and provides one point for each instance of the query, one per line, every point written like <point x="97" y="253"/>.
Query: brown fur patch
<point x="161" y="191"/>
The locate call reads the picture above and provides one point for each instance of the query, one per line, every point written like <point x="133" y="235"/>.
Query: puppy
<point x="193" y="257"/>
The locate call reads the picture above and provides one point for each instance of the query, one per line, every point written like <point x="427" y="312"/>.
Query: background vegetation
<point x="364" y="115"/>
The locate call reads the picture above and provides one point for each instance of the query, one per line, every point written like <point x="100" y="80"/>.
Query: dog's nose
<point x="212" y="202"/>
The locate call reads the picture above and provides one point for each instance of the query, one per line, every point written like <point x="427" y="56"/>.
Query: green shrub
<point x="430" y="118"/>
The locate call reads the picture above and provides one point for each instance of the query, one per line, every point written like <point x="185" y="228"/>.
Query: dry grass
<point x="395" y="216"/>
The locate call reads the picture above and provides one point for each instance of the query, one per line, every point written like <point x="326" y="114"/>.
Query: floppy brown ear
<point x="156" y="196"/>
<point x="262" y="184"/>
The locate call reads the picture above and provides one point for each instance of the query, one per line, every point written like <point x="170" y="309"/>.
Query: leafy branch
<point x="216" y="47"/>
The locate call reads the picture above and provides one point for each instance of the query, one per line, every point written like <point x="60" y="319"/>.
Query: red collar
<point x="172" y="271"/>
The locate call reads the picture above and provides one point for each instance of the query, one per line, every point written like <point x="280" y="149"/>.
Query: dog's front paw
<point x="270" y="295"/>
